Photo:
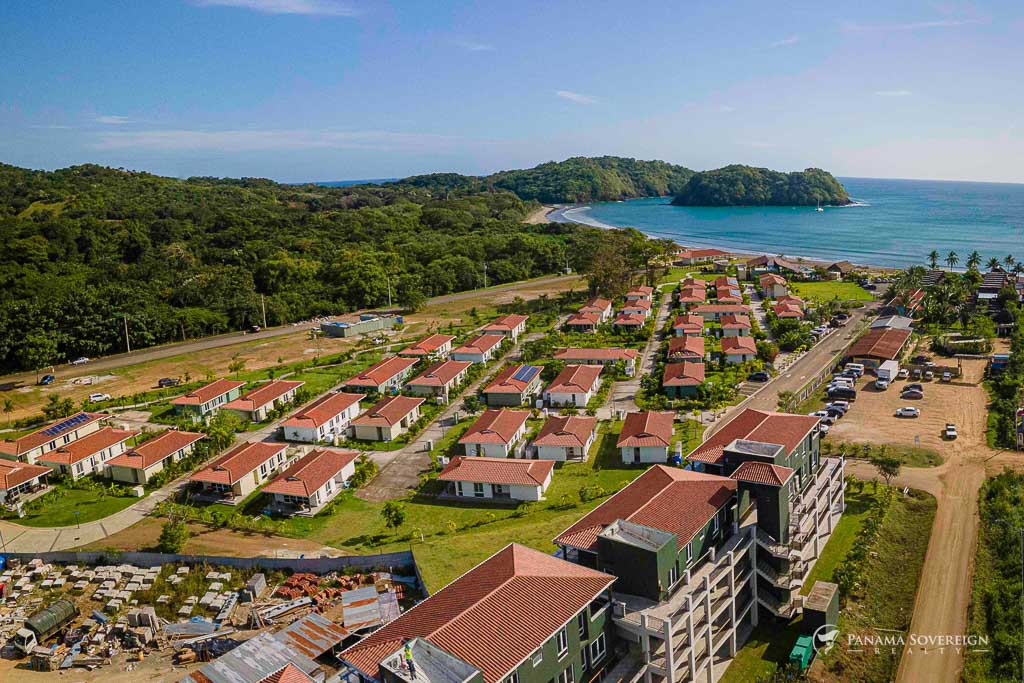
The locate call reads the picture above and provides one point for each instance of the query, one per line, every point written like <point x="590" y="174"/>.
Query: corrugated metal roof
<point x="253" y="660"/>
<point x="360" y="608"/>
<point x="313" y="634"/>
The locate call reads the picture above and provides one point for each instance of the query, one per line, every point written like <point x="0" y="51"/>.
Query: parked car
<point x="96" y="398"/>
<point x="824" y="417"/>
<point x="916" y="373"/>
<point x="254" y="328"/>
<point x="46" y="380"/>
<point x="913" y="394"/>
<point x="845" y="393"/>
<point x="841" y="405"/>
<point x="835" y="412"/>
<point x="929" y="375"/>
<point x="908" y="411"/>
<point x="947" y="377"/>
<point x="914" y="386"/>
<point x="950" y="432"/>
<point x="758" y="377"/>
<point x="920" y="360"/>
<point x="881" y="384"/>
<point x="823" y="428"/>
<point x="903" y="373"/>
<point x="168" y="382"/>
<point x="81" y="360"/>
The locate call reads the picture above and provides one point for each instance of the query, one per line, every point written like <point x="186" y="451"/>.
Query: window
<point x="689" y="552"/>
<point x="714" y="525"/>
<point x="597" y="649"/>
<point x="567" y="676"/>
<point x="563" y="643"/>
<point x="511" y="678"/>
<point x="478" y="490"/>
<point x="538" y="657"/>
<point x="458" y="488"/>
<point x="581" y="621"/>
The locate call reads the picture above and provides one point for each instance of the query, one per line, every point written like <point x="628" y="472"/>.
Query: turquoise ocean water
<point x="895" y="223"/>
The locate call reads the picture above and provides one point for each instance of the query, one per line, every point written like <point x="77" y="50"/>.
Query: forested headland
<point x="739" y="185"/>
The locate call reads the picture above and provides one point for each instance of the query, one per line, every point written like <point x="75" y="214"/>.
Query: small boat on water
<point x="819" y="207"/>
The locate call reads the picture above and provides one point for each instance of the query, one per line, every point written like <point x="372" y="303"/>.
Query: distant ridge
<point x="349" y="183"/>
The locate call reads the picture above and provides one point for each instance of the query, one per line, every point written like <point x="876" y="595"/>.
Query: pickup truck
<point x="950" y="431"/>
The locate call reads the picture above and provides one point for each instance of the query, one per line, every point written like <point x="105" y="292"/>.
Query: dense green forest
<point x="575" y="180"/>
<point x="86" y="246"/>
<point x="738" y="185"/>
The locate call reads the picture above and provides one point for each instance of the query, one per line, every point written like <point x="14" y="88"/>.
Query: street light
<point x="1021" y="531"/>
<point x="78" y="519"/>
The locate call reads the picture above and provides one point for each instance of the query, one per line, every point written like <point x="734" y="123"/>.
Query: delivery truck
<point x="888" y="370"/>
<point x="44" y="623"/>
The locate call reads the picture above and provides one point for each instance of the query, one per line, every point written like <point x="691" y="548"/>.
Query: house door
<point x="636" y="456"/>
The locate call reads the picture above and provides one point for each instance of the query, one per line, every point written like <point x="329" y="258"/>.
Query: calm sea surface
<point x="896" y="222"/>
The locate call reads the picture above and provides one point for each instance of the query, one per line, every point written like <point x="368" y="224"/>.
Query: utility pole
<point x="127" y="343"/>
<point x="485" y="274"/>
<point x="387" y="276"/>
<point x="263" y="303"/>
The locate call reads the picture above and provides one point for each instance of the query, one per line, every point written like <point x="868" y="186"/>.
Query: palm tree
<point x="1018" y="268"/>
<point x="974" y="260"/>
<point x="952" y="259"/>
<point x="1009" y="260"/>
<point x="8" y="407"/>
<point x="933" y="259"/>
<point x="993" y="264"/>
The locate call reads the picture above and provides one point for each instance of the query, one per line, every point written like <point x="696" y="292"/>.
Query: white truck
<point x="888" y="371"/>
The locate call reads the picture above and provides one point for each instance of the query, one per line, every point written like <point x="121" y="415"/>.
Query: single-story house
<point x="716" y="311"/>
<point x="479" y="349"/>
<point x="30" y="447"/>
<point x="691" y="257"/>
<point x="312" y="481"/>
<point x="686" y="348"/>
<point x="682" y="379"/>
<point x="324" y="419"/>
<point x="692" y="296"/>
<point x="899" y="322"/>
<point x="386" y="375"/>
<point x="433" y="346"/>
<point x="583" y="322"/>
<point x="735" y="325"/>
<point x="17" y="478"/>
<point x="739" y="349"/>
<point x="691" y="281"/>
<point x="788" y="310"/>
<point x="602" y="307"/>
<point x="514" y="386"/>
<point x="726" y="281"/>
<point x="839" y="270"/>
<point x="629" y="321"/>
<point x="879" y="345"/>
<point x="497" y="479"/>
<point x="575" y="385"/>
<point x="510" y="326"/>
<point x="646" y="437"/>
<point x="776" y="264"/>
<point x="137" y="464"/>
<point x="240" y="471"/>
<point x="388" y="419"/>
<point x="88" y="455"/>
<point x="773" y="286"/>
<point x="688" y="325"/>
<point x="643" y="293"/>
<point x="566" y="437"/>
<point x="728" y="295"/>
<point x="641" y="307"/>
<point x="791" y="299"/>
<point x="440" y="379"/>
<point x="600" y="357"/>
<point x="207" y="399"/>
<point x="256" y="404"/>
<point x="496" y="434"/>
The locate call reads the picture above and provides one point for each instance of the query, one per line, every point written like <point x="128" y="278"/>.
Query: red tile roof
<point x="881" y="343"/>
<point x="323" y="410"/>
<point x="687" y="346"/>
<point x="731" y="320"/>
<point x="238" y="462"/>
<point x="379" y="373"/>
<point x="427" y="345"/>
<point x="288" y="674"/>
<point x="630" y="319"/>
<point x="206" y="393"/>
<point x="585" y="319"/>
<point x="685" y="374"/>
<point x="678" y="501"/>
<point x="440" y="374"/>
<point x="13" y="473"/>
<point x="496" y="426"/>
<point x="506" y="323"/>
<point x="721" y="308"/>
<point x="786" y="310"/>
<point x="480" y="344"/>
<point x="310" y="472"/>
<point x="757" y="472"/>
<point x="571" y="430"/>
<point x="693" y="282"/>
<point x="262" y="395"/>
<point x="771" y="279"/>
<point x="689" y="322"/>
<point x="637" y="305"/>
<point x="388" y="411"/>
<point x="701" y="253"/>
<point x="506" y="383"/>
<point x="640" y="291"/>
<point x="38" y="438"/>
<point x="511" y="472"/>
<point x="79" y="450"/>
<point x="575" y="379"/>
<point x="597" y="304"/>
<point x="648" y="428"/>
<point x="572" y="354"/>
<point x="692" y="294"/>
<point x="158" y="448"/>
<point x="493" y="616"/>
<point x="783" y="429"/>
<point x="737" y="345"/>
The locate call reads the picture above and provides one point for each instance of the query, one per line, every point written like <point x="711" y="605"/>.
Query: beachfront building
<point x="387" y="375"/>
<point x="312" y="481"/>
<point x="142" y="461"/>
<point x="497" y="434"/>
<point x="521" y="616"/>
<point x="515" y="386"/>
<point x="575" y="385"/>
<point x="388" y="419"/>
<point x="567" y="437"/>
<point x="324" y="420"/>
<point x="88" y="455"/>
<point x="681" y="380"/>
<point x="256" y="404"/>
<point x="686" y="348"/>
<point x="601" y="307"/>
<point x="688" y="325"/>
<point x="30" y="447"/>
<point x="434" y="346"/>
<point x="839" y="270"/>
<point x="583" y="322"/>
<point x="239" y="472"/>
<point x="479" y="349"/>
<point x="646" y="437"/>
<point x="609" y="356"/>
<point x="739" y="349"/>
<point x="733" y="325"/>
<point x="773" y="285"/>
<point x="693" y="257"/>
<point x="440" y="380"/>
<point x="19" y="479"/>
<point x="206" y="400"/>
<point x="497" y="480"/>
<point x="509" y="326"/>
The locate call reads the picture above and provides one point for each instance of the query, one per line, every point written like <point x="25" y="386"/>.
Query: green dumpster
<point x="802" y="653"/>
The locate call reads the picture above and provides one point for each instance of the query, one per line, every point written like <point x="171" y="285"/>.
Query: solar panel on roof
<point x="67" y="424"/>
<point x="526" y="373"/>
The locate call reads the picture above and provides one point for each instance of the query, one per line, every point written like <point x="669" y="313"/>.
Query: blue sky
<point x="341" y="89"/>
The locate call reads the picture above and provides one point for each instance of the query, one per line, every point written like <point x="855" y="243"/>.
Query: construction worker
<point x="408" y="659"/>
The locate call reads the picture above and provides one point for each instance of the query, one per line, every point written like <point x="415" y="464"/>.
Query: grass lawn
<point x="858" y="504"/>
<point x="767" y="648"/>
<point x="60" y="511"/>
<point x="826" y="291"/>
<point x="909" y="456"/>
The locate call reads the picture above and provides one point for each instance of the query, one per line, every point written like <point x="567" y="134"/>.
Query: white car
<point x="950" y="432"/>
<point x="80" y="361"/>
<point x="841" y="405"/>
<point x="903" y="373"/>
<point x="96" y="398"/>
<point x="908" y="411"/>
<point x="881" y="384"/>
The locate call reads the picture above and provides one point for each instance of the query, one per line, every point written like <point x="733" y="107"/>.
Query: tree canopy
<point x="739" y="185"/>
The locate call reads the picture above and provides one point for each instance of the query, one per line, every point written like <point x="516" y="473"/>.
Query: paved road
<point x="623" y="394"/>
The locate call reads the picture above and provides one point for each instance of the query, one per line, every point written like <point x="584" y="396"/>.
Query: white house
<point x="479" y="349"/>
<point x="434" y="346"/>
<point x="139" y="463"/>
<point x="385" y="375"/>
<point x="324" y="419"/>
<point x="18" y="478"/>
<point x="30" y="447"/>
<point x="583" y="322"/>
<point x="312" y="481"/>
<point x="609" y="356"/>
<point x="510" y="326"/>
<point x="646" y="437"/>
<point x="574" y="386"/>
<point x="688" y="325"/>
<point x="207" y="399"/>
<point x="440" y="379"/>
<point x="735" y="325"/>
<point x="88" y="455"/>
<point x="513" y="386"/>
<point x="240" y="471"/>
<point x="637" y="307"/>
<point x="493" y="479"/>
<point x="255" y="404"/>
<point x="566" y="438"/>
<point x="773" y="286"/>
<point x="497" y="434"/>
<point x="388" y="419"/>
<point x="739" y="349"/>
<point x="601" y="307"/>
<point x="643" y="293"/>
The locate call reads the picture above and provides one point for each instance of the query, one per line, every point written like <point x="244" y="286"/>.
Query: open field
<point x="826" y="291"/>
<point x="60" y="509"/>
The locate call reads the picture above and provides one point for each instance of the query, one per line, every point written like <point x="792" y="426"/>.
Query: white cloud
<point x="474" y="46"/>
<point x="792" y="40"/>
<point x="725" y="108"/>
<point x="331" y="8"/>
<point x="892" y="93"/>
<point x="110" y="120"/>
<point x="909" y="26"/>
<point x="177" y="140"/>
<point x="576" y="97"/>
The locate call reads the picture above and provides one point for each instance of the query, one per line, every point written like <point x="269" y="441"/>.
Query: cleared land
<point x="826" y="291"/>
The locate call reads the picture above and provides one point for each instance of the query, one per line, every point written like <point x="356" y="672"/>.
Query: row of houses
<point x="633" y="314"/>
